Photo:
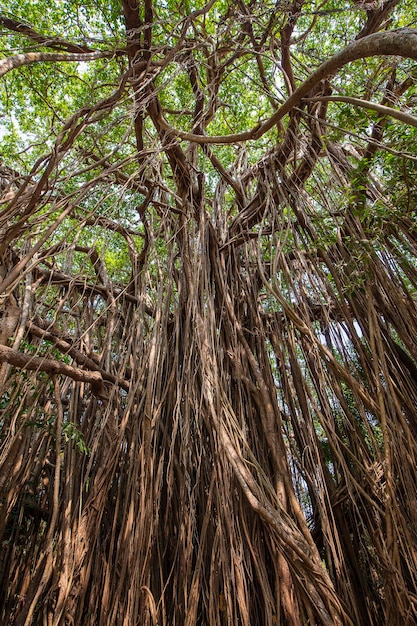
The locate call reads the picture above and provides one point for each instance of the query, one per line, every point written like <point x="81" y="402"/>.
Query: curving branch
<point x="52" y="366"/>
<point x="365" y="104"/>
<point x="11" y="63"/>
<point x="55" y="43"/>
<point x="64" y="344"/>
<point x="401" y="42"/>
<point x="376" y="17"/>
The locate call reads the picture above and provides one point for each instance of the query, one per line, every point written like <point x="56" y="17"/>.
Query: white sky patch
<point x="82" y="68"/>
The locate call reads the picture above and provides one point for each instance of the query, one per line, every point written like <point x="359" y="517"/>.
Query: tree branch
<point x="50" y="42"/>
<point x="11" y="63"/>
<point x="374" y="106"/>
<point x="401" y="42"/>
<point x="64" y="345"/>
<point x="51" y="366"/>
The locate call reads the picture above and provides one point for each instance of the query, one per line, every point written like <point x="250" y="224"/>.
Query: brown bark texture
<point x="223" y="430"/>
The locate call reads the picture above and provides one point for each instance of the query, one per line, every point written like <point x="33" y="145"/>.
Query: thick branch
<point x="55" y="43"/>
<point x="65" y="346"/>
<point x="401" y="42"/>
<point x="51" y="366"/>
<point x="11" y="63"/>
<point x="377" y="17"/>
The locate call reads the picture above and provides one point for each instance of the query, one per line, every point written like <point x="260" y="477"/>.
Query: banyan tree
<point x="208" y="320"/>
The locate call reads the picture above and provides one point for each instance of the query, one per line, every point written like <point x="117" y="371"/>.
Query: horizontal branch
<point x="401" y="42"/>
<point x="50" y="42"/>
<point x="64" y="345"/>
<point x="11" y="63"/>
<point x="105" y="222"/>
<point x="51" y="366"/>
<point x="365" y="104"/>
